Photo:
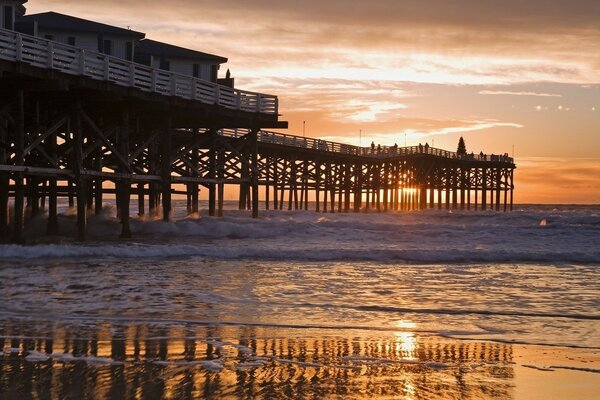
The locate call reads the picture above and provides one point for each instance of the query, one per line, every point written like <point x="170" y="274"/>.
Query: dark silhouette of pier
<point x="81" y="125"/>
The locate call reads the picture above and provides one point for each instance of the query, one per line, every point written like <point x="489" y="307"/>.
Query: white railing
<point x="76" y="61"/>
<point x="373" y="152"/>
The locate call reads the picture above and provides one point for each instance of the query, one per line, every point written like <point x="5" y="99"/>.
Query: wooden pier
<point x="81" y="125"/>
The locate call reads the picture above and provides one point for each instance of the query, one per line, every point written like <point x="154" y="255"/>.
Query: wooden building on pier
<point x="81" y="33"/>
<point x="179" y="60"/>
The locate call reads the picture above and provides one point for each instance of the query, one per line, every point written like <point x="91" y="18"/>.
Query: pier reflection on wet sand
<point x="147" y="361"/>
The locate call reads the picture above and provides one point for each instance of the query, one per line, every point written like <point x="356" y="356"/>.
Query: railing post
<point x="258" y="102"/>
<point x="106" y="68"/>
<point x="81" y="62"/>
<point x="132" y="75"/>
<point x="50" y="60"/>
<point x="153" y="80"/>
<point x="19" y="47"/>
<point x="194" y="91"/>
<point x="173" y="84"/>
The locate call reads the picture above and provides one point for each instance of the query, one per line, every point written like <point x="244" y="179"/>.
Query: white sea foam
<point x="566" y="236"/>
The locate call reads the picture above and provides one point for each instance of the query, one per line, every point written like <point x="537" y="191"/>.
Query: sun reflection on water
<point x="406" y="342"/>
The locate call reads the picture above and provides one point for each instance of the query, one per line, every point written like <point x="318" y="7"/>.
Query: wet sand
<point x="113" y="360"/>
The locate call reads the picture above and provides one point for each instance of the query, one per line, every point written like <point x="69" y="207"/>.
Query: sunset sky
<point x="519" y="73"/>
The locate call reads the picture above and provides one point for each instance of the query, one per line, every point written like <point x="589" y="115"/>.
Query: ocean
<point x="298" y="304"/>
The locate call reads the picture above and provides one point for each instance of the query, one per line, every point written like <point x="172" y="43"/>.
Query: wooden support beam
<point x="253" y="142"/>
<point x="267" y="183"/>
<point x="221" y="181"/>
<point x="212" y="173"/>
<point x="19" y="161"/>
<point x="81" y="187"/>
<point x="275" y="182"/>
<point x="4" y="181"/>
<point x="483" y="188"/>
<point x="511" y="188"/>
<point x="125" y="184"/>
<point x="498" y="188"/>
<point x="462" y="188"/>
<point x="166" y="170"/>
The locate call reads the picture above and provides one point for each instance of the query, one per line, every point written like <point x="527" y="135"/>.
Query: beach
<point x="420" y="305"/>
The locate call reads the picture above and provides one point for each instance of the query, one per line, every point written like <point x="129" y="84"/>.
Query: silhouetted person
<point x="378" y="149"/>
<point x="372" y="147"/>
<point x="426" y="147"/>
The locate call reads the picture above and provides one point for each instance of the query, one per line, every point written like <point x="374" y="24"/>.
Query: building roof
<point x="154" y="48"/>
<point x="53" y="20"/>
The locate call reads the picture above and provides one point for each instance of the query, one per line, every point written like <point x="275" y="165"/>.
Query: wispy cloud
<point x="416" y="134"/>
<point x="509" y="93"/>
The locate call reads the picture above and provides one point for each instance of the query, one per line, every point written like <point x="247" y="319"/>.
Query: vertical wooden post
<point x="347" y="187"/>
<point x="511" y="188"/>
<point x="125" y="184"/>
<point x="326" y="186"/>
<point x="18" y="176"/>
<point x="357" y="187"/>
<point x="52" y="225"/>
<point x="378" y="187"/>
<point x="245" y="174"/>
<point x="71" y="190"/>
<point x="254" y="160"/>
<point x="275" y="183"/>
<point x="141" y="200"/>
<point x="220" y="181"/>
<point x="497" y="185"/>
<point x="282" y="179"/>
<point x="295" y="184"/>
<point x="154" y="168"/>
<point x="423" y="199"/>
<point x="291" y="184"/>
<point x="505" y="190"/>
<point x="454" y="188"/>
<point x="79" y="177"/>
<point x="462" y="188"/>
<point x="386" y="186"/>
<point x="469" y="180"/>
<point x="317" y="186"/>
<point x="98" y="184"/>
<point x="448" y="186"/>
<point x="431" y="193"/>
<point x="267" y="182"/>
<point x="476" y="187"/>
<point x="305" y="180"/>
<point x="4" y="181"/>
<point x="166" y="169"/>
<point x="483" y="188"/>
<point x="212" y="173"/>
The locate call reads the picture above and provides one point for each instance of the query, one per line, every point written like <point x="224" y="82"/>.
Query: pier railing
<point x="377" y="152"/>
<point x="71" y="60"/>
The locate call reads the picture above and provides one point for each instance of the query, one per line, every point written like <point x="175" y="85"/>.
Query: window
<point x="165" y="64"/>
<point x="8" y="22"/>
<point x="71" y="40"/>
<point x="107" y="48"/>
<point x="196" y="71"/>
<point x="100" y="43"/>
<point x="129" y="51"/>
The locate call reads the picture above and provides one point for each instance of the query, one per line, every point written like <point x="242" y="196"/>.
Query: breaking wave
<point x="568" y="235"/>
